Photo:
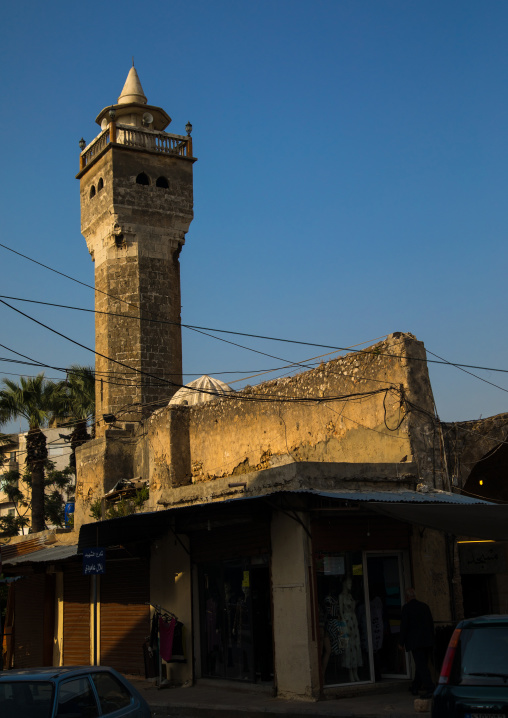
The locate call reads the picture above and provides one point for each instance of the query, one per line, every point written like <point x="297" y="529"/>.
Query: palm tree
<point x="34" y="399"/>
<point x="77" y="397"/>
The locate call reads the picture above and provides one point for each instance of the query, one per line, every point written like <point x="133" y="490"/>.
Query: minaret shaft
<point x="136" y="207"/>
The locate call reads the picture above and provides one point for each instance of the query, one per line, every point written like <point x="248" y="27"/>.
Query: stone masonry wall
<point x="305" y="419"/>
<point x="135" y="233"/>
<point x="370" y="408"/>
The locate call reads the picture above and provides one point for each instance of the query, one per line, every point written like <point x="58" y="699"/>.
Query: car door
<point x="76" y="699"/>
<point x="115" y="699"/>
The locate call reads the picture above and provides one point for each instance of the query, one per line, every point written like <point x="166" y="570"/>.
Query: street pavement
<point x="208" y="699"/>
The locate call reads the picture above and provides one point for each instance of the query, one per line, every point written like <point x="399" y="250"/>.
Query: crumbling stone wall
<point x="373" y="408"/>
<point x="100" y="463"/>
<point x="387" y="418"/>
<point x="306" y="418"/>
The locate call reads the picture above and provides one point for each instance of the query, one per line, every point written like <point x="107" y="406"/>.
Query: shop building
<point x="284" y="521"/>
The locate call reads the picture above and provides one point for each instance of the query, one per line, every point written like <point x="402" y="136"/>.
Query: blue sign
<point x="69" y="513"/>
<point x="94" y="560"/>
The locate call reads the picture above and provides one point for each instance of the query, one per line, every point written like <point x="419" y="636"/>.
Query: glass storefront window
<point x="385" y="591"/>
<point x="237" y="630"/>
<point x="342" y="618"/>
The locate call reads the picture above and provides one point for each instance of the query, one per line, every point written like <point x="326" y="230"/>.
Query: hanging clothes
<point x="166" y="633"/>
<point x="178" y="655"/>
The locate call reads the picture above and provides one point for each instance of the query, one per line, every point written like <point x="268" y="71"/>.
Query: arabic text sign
<point x="482" y="558"/>
<point x="94" y="560"/>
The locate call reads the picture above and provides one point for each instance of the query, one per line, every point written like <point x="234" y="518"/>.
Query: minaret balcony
<point x="116" y="134"/>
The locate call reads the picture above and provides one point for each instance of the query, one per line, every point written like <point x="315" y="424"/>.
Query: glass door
<point x="385" y="574"/>
<point x="236" y="629"/>
<point x="345" y="655"/>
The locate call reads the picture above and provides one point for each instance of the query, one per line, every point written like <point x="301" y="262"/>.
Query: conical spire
<point x="132" y="90"/>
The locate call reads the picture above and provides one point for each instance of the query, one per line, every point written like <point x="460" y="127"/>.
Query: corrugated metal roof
<point x="45" y="555"/>
<point x="28" y="545"/>
<point x="149" y="525"/>
<point x="432" y="497"/>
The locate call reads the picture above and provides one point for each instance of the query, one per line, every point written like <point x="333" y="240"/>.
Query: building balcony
<point x="161" y="143"/>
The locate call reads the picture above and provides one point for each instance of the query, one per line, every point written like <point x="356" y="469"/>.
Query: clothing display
<point x="335" y="627"/>
<point x="352" y="657"/>
<point x="337" y="633"/>
<point x="165" y="643"/>
<point x="376" y="622"/>
<point x="178" y="655"/>
<point x="166" y="633"/>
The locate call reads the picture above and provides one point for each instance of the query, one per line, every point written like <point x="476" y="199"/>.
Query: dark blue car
<point x="474" y="677"/>
<point x="69" y="692"/>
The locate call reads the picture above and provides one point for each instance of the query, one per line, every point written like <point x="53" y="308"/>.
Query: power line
<point x="128" y="383"/>
<point x="204" y="330"/>
<point x="461" y="367"/>
<point x="199" y="330"/>
<point x="440" y="360"/>
<point x="248" y="397"/>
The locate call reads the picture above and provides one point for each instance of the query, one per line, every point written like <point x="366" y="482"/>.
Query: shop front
<point x="361" y="573"/>
<point x="236" y="630"/>
<point x="234" y="598"/>
<point x="360" y="596"/>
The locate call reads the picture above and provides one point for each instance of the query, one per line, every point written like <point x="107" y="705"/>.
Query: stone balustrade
<point x="158" y="142"/>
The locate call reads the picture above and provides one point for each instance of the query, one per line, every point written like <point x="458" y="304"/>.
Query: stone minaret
<point x="136" y="207"/>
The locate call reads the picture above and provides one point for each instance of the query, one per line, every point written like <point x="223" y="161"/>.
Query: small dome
<point x="201" y="390"/>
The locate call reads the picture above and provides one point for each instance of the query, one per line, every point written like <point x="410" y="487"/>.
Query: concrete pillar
<point x="431" y="572"/>
<point x="295" y="641"/>
<point x="170" y="587"/>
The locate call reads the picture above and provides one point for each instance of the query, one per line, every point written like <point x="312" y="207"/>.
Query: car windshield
<point x="484" y="655"/>
<point x="26" y="698"/>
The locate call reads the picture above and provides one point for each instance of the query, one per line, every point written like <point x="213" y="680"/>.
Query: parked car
<point x="69" y="692"/>
<point x="474" y="677"/>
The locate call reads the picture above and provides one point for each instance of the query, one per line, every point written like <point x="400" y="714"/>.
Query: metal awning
<point x="485" y="521"/>
<point x="453" y="513"/>
<point x="404" y="496"/>
<point x="45" y="555"/>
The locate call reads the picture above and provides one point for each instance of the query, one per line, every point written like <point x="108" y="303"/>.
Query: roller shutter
<point x="124" y="615"/>
<point x="29" y="621"/>
<point x="76" y="617"/>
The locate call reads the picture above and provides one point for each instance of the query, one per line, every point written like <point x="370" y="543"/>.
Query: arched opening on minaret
<point x="143" y="179"/>
<point x="100" y="184"/>
<point x="92" y="191"/>
<point x="162" y="182"/>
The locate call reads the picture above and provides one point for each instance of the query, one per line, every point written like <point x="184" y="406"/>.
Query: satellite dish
<point x="104" y="124"/>
<point x="147" y="119"/>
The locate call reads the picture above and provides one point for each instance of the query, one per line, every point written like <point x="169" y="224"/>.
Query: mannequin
<point x="331" y="613"/>
<point x="353" y="653"/>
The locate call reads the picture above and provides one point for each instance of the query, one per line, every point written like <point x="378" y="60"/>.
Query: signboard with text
<point x="94" y="561"/>
<point x="482" y="557"/>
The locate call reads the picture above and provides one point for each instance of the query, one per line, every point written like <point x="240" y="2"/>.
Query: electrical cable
<point x="461" y="367"/>
<point x="199" y="329"/>
<point x="249" y="397"/>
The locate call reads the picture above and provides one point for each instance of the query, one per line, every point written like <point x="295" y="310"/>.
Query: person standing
<point x="417" y="636"/>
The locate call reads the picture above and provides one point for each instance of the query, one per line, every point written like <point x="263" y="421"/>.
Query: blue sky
<point x="351" y="180"/>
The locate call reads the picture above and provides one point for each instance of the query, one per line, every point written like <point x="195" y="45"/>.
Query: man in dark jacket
<point x="417" y="636"/>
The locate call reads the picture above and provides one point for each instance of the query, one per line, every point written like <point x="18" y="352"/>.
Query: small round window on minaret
<point x="162" y="182"/>
<point x="92" y="191"/>
<point x="142" y="178"/>
<point x="100" y="184"/>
